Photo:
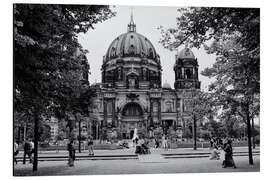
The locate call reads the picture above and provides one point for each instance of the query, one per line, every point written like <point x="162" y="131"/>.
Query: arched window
<point x="169" y="106"/>
<point x="109" y="107"/>
<point x="188" y="73"/>
<point x="132" y="109"/>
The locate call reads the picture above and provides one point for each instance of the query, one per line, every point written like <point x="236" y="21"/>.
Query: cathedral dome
<point x="185" y="53"/>
<point x="131" y="44"/>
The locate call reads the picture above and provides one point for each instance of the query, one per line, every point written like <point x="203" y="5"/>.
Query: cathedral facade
<point x="131" y="94"/>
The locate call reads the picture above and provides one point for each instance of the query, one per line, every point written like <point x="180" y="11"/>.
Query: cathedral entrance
<point x="132" y="117"/>
<point x="167" y="126"/>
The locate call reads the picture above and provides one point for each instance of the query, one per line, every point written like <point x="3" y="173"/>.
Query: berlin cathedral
<point x="131" y="94"/>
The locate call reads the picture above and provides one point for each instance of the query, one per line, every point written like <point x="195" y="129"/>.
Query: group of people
<point x="28" y="149"/>
<point x="164" y="143"/>
<point x="141" y="146"/>
<point x="226" y="152"/>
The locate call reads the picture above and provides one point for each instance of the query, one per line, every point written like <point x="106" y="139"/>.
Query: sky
<point x="147" y="20"/>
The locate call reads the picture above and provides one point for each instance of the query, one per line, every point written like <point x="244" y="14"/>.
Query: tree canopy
<point x="48" y="60"/>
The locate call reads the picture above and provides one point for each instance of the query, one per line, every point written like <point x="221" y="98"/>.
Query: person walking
<point x="228" y="162"/>
<point x="165" y="142"/>
<point x="16" y="151"/>
<point x="90" y="144"/>
<point x="156" y="143"/>
<point x="27" y="151"/>
<point x="71" y="153"/>
<point x="214" y="154"/>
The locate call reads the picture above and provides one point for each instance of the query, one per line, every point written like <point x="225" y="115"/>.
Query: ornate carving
<point x="132" y="96"/>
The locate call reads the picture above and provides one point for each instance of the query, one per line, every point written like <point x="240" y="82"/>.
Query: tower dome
<point x="185" y="53"/>
<point x="186" y="70"/>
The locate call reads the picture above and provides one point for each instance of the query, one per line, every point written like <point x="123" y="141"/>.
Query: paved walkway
<point x="145" y="164"/>
<point x="196" y="165"/>
<point x="131" y="151"/>
<point x="152" y="158"/>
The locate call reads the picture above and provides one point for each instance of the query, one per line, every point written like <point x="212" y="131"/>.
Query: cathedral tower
<point x="186" y="70"/>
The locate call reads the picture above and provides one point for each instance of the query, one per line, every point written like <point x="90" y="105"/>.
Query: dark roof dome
<point x="131" y="44"/>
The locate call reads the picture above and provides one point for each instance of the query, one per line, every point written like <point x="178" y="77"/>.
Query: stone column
<point x="177" y="108"/>
<point x="113" y="113"/>
<point x="151" y="112"/>
<point x="145" y="117"/>
<point x="105" y="113"/>
<point x="183" y="73"/>
<point x="159" y="111"/>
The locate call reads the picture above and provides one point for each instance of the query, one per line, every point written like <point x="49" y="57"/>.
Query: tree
<point x="46" y="67"/>
<point x="202" y="109"/>
<point x="234" y="37"/>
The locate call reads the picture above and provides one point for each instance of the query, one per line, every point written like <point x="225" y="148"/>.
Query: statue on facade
<point x="144" y="74"/>
<point x="131" y="82"/>
<point x="119" y="73"/>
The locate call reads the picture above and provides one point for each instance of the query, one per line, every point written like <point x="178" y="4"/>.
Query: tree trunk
<point x="249" y="136"/>
<point x="79" y="136"/>
<point x="253" y="133"/>
<point x="194" y="133"/>
<point x="35" y="162"/>
<point x="24" y="133"/>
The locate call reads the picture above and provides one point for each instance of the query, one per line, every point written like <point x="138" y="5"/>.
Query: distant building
<point x="53" y="123"/>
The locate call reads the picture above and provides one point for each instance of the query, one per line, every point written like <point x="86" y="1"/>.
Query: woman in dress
<point x="71" y="153"/>
<point x="90" y="146"/>
<point x="228" y="162"/>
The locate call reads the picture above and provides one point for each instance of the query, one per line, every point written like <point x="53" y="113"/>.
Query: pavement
<point x="131" y="151"/>
<point x="155" y="163"/>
